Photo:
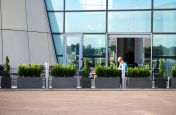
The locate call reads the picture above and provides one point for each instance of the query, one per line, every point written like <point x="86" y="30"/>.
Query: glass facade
<point x="95" y="20"/>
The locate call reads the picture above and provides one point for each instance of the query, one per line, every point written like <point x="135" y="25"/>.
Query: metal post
<point x="46" y="75"/>
<point x="123" y="76"/>
<point x="168" y="82"/>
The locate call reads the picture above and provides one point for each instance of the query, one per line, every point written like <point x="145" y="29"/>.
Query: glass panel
<point x="86" y="5"/>
<point x="72" y="50"/>
<point x="112" y="49"/>
<point x="94" y="49"/>
<point x="164" y="47"/>
<point x="147" y="50"/>
<point x="129" y="4"/>
<point x="60" y="59"/>
<point x="164" y="21"/>
<point x="164" y="3"/>
<point x="54" y="4"/>
<point x="56" y="22"/>
<point x="85" y="22"/>
<point x="129" y="21"/>
<point x="58" y="42"/>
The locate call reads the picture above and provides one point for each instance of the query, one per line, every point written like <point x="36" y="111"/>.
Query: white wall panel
<point x="1" y="58"/>
<point x="13" y="14"/>
<point x="39" y="49"/>
<point x="15" y="45"/>
<point x="36" y="17"/>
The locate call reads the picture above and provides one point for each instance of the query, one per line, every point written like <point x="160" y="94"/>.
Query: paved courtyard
<point x="87" y="102"/>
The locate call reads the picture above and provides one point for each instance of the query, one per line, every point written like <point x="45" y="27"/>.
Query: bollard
<point x="46" y="75"/>
<point x="168" y="82"/>
<point x="123" y="76"/>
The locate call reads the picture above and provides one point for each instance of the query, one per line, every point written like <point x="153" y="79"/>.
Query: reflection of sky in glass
<point x="96" y="41"/>
<point x="56" y="21"/>
<point x="54" y="4"/>
<point x="85" y="4"/>
<point x="129" y="21"/>
<point x="85" y="22"/>
<point x="164" y="40"/>
<point x="58" y="41"/>
<point x="164" y="21"/>
<point x="164" y="3"/>
<point x="129" y="4"/>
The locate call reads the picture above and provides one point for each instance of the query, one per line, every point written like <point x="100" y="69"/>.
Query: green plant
<point x="23" y="70"/>
<point x="32" y="70"/>
<point x="105" y="71"/>
<point x="139" y="71"/>
<point x="63" y="71"/>
<point x="161" y="69"/>
<point x="85" y="72"/>
<point x="6" y="68"/>
<point x="86" y="63"/>
<point x="173" y="70"/>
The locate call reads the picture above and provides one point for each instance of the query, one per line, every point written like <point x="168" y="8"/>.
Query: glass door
<point x="73" y="50"/>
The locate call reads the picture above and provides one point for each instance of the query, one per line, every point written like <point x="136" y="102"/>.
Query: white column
<point x="46" y="75"/>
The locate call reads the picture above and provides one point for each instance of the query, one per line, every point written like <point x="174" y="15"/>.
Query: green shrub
<point x="33" y="70"/>
<point x="63" y="71"/>
<point x="6" y="68"/>
<point x="173" y="70"/>
<point x="161" y="69"/>
<point x="85" y="72"/>
<point x="105" y="71"/>
<point x="138" y="72"/>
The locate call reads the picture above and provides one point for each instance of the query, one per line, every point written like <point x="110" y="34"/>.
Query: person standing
<point x="122" y="65"/>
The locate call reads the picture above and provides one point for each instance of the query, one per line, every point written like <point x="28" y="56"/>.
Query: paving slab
<point x="87" y="102"/>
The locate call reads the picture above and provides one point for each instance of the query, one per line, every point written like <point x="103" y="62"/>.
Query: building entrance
<point x="135" y="49"/>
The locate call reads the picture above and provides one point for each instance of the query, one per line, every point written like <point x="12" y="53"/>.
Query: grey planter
<point x="29" y="82"/>
<point x="107" y="82"/>
<point x="173" y="83"/>
<point x="139" y="82"/>
<point x="64" y="82"/>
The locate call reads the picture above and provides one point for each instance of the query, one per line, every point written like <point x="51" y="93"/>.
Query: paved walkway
<point x="87" y="102"/>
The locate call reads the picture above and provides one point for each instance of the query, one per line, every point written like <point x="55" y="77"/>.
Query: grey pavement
<point x="88" y="102"/>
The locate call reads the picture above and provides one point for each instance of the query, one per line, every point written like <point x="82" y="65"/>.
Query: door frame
<point x="121" y="34"/>
<point x="80" y="35"/>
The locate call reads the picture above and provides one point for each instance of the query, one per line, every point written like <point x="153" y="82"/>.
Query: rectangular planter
<point x="85" y="82"/>
<point x="64" y="82"/>
<point x="139" y="82"/>
<point x="161" y="83"/>
<point x="5" y="82"/>
<point x="29" y="82"/>
<point x="173" y="83"/>
<point x="107" y="82"/>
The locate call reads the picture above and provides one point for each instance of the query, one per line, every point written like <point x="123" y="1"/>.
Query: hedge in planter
<point x="139" y="77"/>
<point x="6" y="79"/>
<point x="85" y="80"/>
<point x="107" y="77"/>
<point x="29" y="76"/>
<point x="63" y="76"/>
<point x="173" y="79"/>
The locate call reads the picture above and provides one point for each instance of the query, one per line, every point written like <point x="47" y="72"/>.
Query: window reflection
<point x="58" y="42"/>
<point x="129" y="21"/>
<point x="54" y="4"/>
<point x="86" y="5"/>
<point x="85" y="22"/>
<point x="164" y="21"/>
<point x="94" y="49"/>
<point x="129" y="4"/>
<point x="164" y="3"/>
<point x="56" y="21"/>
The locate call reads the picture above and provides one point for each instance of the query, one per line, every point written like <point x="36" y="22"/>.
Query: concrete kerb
<point x="88" y="89"/>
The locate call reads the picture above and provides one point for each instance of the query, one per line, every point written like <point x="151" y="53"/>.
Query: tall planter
<point x="29" y="82"/>
<point x="64" y="82"/>
<point x="139" y="82"/>
<point x="6" y="82"/>
<point x="107" y="82"/>
<point x="173" y="82"/>
<point x="85" y="82"/>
